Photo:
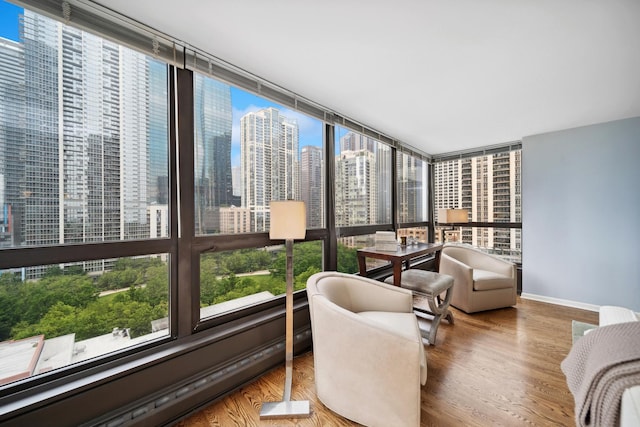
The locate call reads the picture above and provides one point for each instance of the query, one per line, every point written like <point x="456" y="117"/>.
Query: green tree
<point x="347" y="259"/>
<point x="119" y="279"/>
<point x="60" y="319"/>
<point x="10" y="285"/>
<point x="301" y="279"/>
<point x="37" y="297"/>
<point x="305" y="255"/>
<point x="157" y="285"/>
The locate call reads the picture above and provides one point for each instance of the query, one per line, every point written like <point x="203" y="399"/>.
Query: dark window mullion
<point x="188" y="263"/>
<point x="35" y="256"/>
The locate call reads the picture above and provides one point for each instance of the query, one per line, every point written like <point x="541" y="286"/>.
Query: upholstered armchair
<point x="368" y="353"/>
<point x="480" y="281"/>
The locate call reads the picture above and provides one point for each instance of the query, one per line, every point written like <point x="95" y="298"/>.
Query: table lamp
<point x="452" y="217"/>
<point x="288" y="221"/>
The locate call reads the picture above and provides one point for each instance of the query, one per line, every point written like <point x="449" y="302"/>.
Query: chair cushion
<point x="484" y="280"/>
<point x="404" y="324"/>
<point x="426" y="282"/>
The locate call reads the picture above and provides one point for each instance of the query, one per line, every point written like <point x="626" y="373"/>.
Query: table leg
<point x="397" y="272"/>
<point x="362" y="265"/>
<point x="437" y="260"/>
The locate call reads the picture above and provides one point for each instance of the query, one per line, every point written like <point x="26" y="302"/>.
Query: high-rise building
<point x="157" y="136"/>
<point x="88" y="152"/>
<point x="363" y="181"/>
<point x="12" y="140"/>
<point x="311" y="185"/>
<point x="236" y="175"/>
<point x="411" y="188"/>
<point x="356" y="188"/>
<point x="489" y="188"/>
<point x="234" y="220"/>
<point x="213" y="180"/>
<point x="269" y="162"/>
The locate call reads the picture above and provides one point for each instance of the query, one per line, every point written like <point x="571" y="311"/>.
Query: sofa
<point x="369" y="358"/>
<point x="603" y="370"/>
<point x="481" y="281"/>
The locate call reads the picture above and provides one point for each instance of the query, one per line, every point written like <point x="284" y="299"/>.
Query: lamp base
<point x="285" y="409"/>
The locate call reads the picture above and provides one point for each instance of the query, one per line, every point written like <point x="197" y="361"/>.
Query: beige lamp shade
<point x="288" y="219"/>
<point x="453" y="216"/>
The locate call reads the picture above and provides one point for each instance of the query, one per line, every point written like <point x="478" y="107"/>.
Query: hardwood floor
<point x="496" y="368"/>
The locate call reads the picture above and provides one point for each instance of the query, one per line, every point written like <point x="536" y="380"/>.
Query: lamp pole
<point x="283" y="217"/>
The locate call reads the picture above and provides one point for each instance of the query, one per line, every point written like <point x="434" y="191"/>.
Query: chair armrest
<point x="462" y="280"/>
<point x="461" y="272"/>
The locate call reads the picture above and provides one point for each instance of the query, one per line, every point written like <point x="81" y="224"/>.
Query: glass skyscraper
<point x="213" y="178"/>
<point x="83" y="140"/>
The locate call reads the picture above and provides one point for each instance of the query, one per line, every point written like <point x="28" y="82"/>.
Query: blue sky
<point x="243" y="102"/>
<point x="9" y="20"/>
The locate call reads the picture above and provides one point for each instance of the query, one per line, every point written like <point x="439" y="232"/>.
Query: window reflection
<point x="249" y="151"/>
<point x="363" y="180"/>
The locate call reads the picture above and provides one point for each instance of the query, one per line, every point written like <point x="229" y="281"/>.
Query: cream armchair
<point x="368" y="352"/>
<point x="480" y="281"/>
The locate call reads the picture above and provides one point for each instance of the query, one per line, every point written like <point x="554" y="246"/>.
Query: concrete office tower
<point x="355" y="142"/>
<point x="380" y="173"/>
<point x="269" y="163"/>
<point x="212" y="131"/>
<point x="235" y="220"/>
<point x="448" y="186"/>
<point x="356" y="188"/>
<point x="12" y="142"/>
<point x="311" y="184"/>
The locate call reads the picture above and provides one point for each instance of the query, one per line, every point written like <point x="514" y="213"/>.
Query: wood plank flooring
<point x="496" y="368"/>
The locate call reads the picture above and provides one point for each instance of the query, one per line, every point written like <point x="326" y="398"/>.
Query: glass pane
<point x="249" y="151"/>
<point x="489" y="187"/>
<point x="412" y="189"/>
<point x="363" y="180"/>
<point x="414" y="234"/>
<point x="78" y="311"/>
<point x="348" y="253"/>
<point x="83" y="138"/>
<point x="233" y="280"/>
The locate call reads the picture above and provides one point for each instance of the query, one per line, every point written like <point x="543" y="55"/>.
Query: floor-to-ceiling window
<point x="83" y="181"/>
<point x="112" y="250"/>
<point x="411" y="193"/>
<point x="488" y="187"/>
<point x="249" y="151"/>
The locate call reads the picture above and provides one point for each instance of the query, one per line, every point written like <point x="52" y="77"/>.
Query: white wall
<point x="581" y="214"/>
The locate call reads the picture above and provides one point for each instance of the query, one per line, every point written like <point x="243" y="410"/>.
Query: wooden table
<point x="402" y="255"/>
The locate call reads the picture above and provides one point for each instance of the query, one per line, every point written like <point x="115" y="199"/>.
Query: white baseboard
<point x="559" y="301"/>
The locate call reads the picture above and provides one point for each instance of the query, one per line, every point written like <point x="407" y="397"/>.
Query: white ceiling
<point x="441" y="75"/>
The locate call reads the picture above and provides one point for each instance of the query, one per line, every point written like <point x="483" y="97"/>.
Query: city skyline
<point x="243" y="102"/>
<point x="83" y="141"/>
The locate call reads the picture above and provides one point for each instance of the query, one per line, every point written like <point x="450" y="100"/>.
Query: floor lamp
<point x="288" y="222"/>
